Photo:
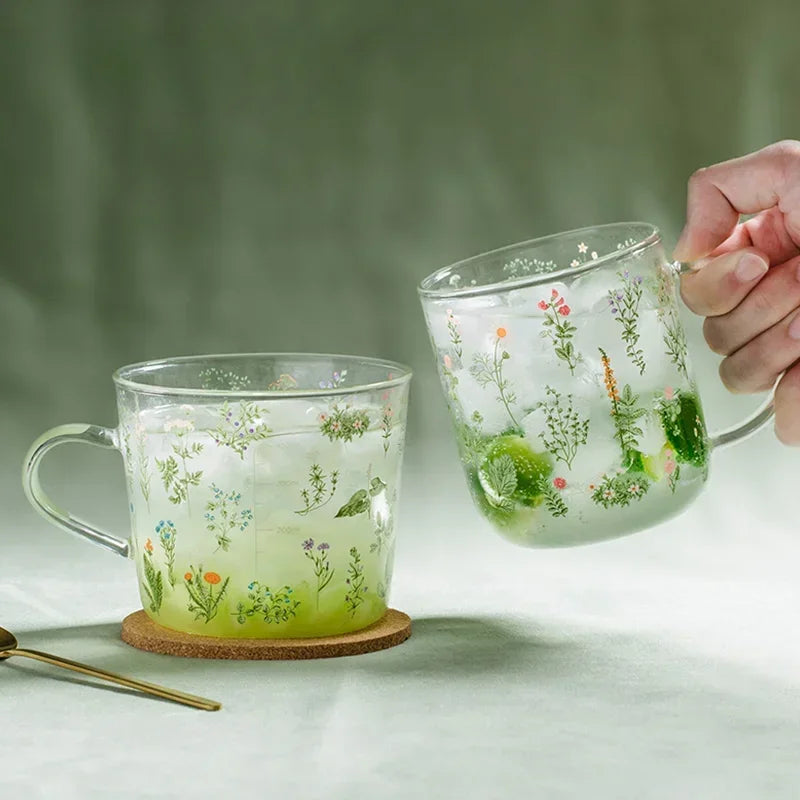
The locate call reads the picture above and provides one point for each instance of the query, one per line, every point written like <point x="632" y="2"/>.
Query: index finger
<point x="717" y="195"/>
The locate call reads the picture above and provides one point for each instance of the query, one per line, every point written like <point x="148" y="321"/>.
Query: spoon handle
<point x="130" y="683"/>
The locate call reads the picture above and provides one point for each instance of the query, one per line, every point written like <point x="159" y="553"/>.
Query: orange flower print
<point x="187" y="576"/>
<point x="609" y="380"/>
<point x="502" y="333"/>
<point x="148" y="545"/>
<point x="212" y="578"/>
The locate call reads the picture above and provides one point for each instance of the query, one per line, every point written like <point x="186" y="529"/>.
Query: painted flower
<point x="669" y="466"/>
<point x="574" y="263"/>
<point x="608" y="494"/>
<point x="187" y="576"/>
<point x="634" y="488"/>
<point x="323" y="417"/>
<point x="212" y="578"/>
<point x="669" y="392"/>
<point x="502" y="333"/>
<point x="593" y="254"/>
<point x="582" y="248"/>
<point x="591" y="486"/>
<point x="559" y="483"/>
<point x="251" y="586"/>
<point x="564" y="310"/>
<point x="543" y="305"/>
<point x="357" y="424"/>
<point x="308" y="544"/>
<point x="553" y="294"/>
<point x="148" y="545"/>
<point x="323" y="546"/>
<point x="559" y="302"/>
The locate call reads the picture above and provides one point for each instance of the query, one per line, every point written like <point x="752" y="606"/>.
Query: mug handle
<point x="756" y="421"/>
<point x="89" y="434"/>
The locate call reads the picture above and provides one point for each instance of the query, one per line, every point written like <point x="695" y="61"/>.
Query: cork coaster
<point x="139" y="631"/>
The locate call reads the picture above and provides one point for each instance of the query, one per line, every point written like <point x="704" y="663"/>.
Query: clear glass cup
<point x="565" y="368"/>
<point x="263" y="489"/>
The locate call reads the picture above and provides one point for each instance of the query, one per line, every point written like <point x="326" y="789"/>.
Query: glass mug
<point x="262" y="488"/>
<point x="565" y="368"/>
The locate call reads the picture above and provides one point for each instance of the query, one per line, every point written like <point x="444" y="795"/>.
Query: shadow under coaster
<point x="139" y="631"/>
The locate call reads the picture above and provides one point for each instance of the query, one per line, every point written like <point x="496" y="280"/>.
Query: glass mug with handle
<point x="262" y="488"/>
<point x="565" y="368"/>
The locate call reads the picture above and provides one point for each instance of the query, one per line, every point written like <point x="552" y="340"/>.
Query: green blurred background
<point x="187" y="177"/>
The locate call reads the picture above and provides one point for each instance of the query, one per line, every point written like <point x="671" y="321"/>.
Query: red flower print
<point x="211" y="577"/>
<point x="564" y="310"/>
<point x="559" y="483"/>
<point x="559" y="302"/>
<point x="553" y="294"/>
<point x="543" y="305"/>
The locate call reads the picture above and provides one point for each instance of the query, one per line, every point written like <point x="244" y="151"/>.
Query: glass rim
<point x="652" y="237"/>
<point x="123" y="376"/>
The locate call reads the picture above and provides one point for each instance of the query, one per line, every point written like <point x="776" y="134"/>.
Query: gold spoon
<point x="8" y="647"/>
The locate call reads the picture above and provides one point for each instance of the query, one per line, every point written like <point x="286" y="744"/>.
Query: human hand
<point x="746" y="275"/>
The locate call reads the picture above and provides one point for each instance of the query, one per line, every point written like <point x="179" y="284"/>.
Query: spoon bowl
<point x="7" y="642"/>
<point x="10" y="647"/>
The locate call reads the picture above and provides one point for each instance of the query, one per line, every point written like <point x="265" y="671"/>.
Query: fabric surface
<point x="661" y="665"/>
<point x="191" y="177"/>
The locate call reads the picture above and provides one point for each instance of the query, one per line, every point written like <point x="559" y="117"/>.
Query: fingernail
<point x="750" y="267"/>
<point x="794" y="327"/>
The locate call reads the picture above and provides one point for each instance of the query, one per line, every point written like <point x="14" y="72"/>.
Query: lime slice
<point x="530" y="471"/>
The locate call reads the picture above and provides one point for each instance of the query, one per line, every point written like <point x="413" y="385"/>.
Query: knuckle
<point x="699" y="176"/>
<point x="788" y="149"/>
<point x="787" y="156"/>
<point x="714" y="334"/>
<point x="744" y="374"/>
<point x="764" y="304"/>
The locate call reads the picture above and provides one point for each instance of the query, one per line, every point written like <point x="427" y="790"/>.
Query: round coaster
<point x="139" y="631"/>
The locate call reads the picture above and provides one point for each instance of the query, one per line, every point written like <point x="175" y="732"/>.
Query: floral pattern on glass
<point x="320" y="490"/>
<point x="624" y="304"/>
<point x="241" y="429"/>
<point x="559" y="330"/>
<point x="176" y="476"/>
<point x="344" y="424"/>
<point x="355" y="582"/>
<point x="206" y="591"/>
<point x="323" y="572"/>
<point x="488" y="370"/>
<point x="167" y="534"/>
<point x="223" y="515"/>
<point x="273" y="606"/>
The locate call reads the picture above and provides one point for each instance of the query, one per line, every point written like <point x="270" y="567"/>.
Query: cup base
<point x="139" y="631"/>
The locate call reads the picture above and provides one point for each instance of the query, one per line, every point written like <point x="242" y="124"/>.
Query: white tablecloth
<point x="663" y="665"/>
